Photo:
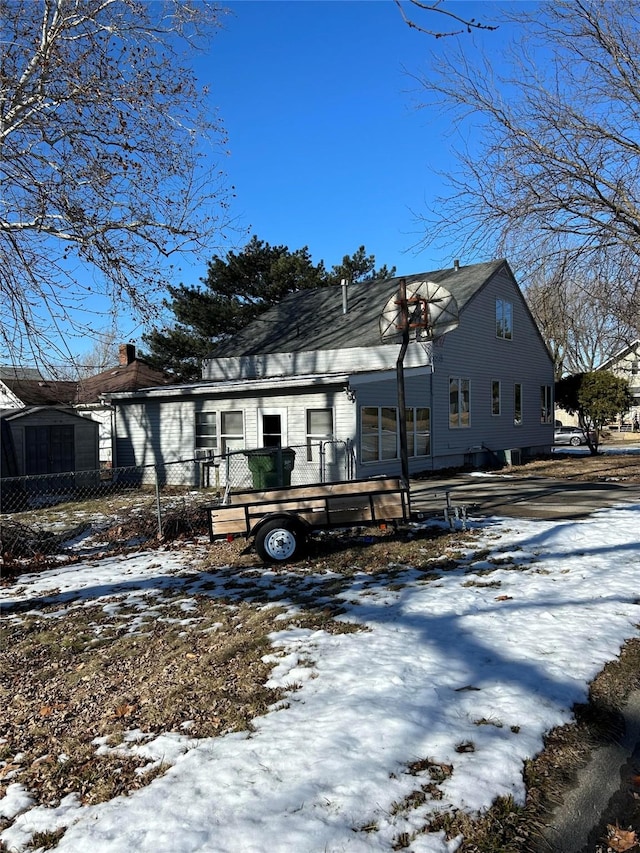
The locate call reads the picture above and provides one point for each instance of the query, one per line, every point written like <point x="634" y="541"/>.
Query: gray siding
<point x="474" y="352"/>
<point x="85" y="435"/>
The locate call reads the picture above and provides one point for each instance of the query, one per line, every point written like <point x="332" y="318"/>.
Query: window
<point x="419" y="432"/>
<point x="231" y="431"/>
<point x="546" y="406"/>
<point x="504" y="319"/>
<point x="517" y="404"/>
<point x="206" y="431"/>
<point x="495" y="397"/>
<point x="378" y="433"/>
<point x="458" y="403"/>
<point x="271" y="431"/>
<point x="319" y="428"/>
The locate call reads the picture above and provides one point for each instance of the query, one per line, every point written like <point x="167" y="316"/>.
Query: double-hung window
<point x="419" y="432"/>
<point x="319" y="428"/>
<point x="459" y="399"/>
<point x="206" y="431"/>
<point x="231" y="431"/>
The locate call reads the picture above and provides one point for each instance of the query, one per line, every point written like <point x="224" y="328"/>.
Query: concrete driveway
<point x="516" y="496"/>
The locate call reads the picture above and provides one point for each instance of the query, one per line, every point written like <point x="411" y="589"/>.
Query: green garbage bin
<point x="270" y="467"/>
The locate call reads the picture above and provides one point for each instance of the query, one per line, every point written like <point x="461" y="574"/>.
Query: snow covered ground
<point x="466" y="670"/>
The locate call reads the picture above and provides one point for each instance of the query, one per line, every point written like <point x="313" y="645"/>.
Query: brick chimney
<point x="126" y="354"/>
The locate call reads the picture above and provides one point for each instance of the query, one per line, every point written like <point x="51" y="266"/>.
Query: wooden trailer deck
<point x="303" y="509"/>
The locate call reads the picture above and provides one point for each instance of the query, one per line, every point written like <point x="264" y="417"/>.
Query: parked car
<point x="570" y="435"/>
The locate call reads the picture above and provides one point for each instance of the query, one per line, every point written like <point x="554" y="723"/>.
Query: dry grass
<point x="624" y="468"/>
<point x="88" y="675"/>
<point x="194" y="664"/>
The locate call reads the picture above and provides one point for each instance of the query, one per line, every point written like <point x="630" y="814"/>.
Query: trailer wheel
<point x="279" y="540"/>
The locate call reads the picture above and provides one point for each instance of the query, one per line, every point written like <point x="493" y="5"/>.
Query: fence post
<point x="158" y="509"/>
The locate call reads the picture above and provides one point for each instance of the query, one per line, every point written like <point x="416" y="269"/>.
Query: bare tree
<point x="424" y="10"/>
<point x="105" y="162"/>
<point x="551" y="171"/>
<point x="98" y="357"/>
<point x="576" y="318"/>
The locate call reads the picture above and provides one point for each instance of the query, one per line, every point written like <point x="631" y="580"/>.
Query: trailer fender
<point x="280" y="537"/>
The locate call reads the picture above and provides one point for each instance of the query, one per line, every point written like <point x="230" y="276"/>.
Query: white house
<point x="312" y="373"/>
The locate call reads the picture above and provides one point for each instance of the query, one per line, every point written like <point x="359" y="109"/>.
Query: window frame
<point x="496" y="399"/>
<point x="380" y="435"/>
<point x="198" y="434"/>
<point x="463" y="394"/>
<point x="227" y="437"/>
<point x="504" y="319"/>
<point x="315" y="436"/>
<point x="546" y="404"/>
<point x="413" y="434"/>
<point x="518" y="397"/>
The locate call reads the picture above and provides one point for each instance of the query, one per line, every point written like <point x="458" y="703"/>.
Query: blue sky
<point x="327" y="146"/>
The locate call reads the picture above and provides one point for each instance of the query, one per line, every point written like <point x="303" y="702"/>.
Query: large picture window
<point x="378" y="433"/>
<point x="206" y="431"/>
<point x="459" y="398"/>
<point x="504" y="319"/>
<point x="319" y="428"/>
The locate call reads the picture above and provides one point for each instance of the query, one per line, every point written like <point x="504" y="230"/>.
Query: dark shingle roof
<point x="314" y="319"/>
<point x="129" y="377"/>
<point x="48" y="392"/>
<point x="42" y="392"/>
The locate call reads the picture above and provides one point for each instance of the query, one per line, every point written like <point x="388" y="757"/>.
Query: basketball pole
<point x="402" y="411"/>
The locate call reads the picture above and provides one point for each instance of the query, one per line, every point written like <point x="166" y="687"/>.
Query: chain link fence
<point x="166" y="491"/>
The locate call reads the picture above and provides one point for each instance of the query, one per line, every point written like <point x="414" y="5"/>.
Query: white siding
<point x="154" y="431"/>
<point x="352" y="360"/>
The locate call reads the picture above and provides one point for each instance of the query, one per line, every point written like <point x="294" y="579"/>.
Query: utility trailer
<point x="279" y="520"/>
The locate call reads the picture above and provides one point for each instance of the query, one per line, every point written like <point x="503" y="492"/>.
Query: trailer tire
<point x="279" y="540"/>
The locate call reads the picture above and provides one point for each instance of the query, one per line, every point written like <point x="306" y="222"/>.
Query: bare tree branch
<point x="550" y="173"/>
<point x="106" y="151"/>
<point x="468" y="24"/>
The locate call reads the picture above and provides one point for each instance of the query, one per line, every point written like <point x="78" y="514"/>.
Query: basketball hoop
<point x="427" y="312"/>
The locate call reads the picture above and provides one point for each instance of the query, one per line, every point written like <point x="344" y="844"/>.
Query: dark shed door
<point x="49" y="449"/>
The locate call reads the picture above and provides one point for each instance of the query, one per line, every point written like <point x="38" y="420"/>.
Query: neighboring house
<point x="314" y="368"/>
<point x="626" y="364"/>
<point x="20" y="388"/>
<point x="130" y="374"/>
